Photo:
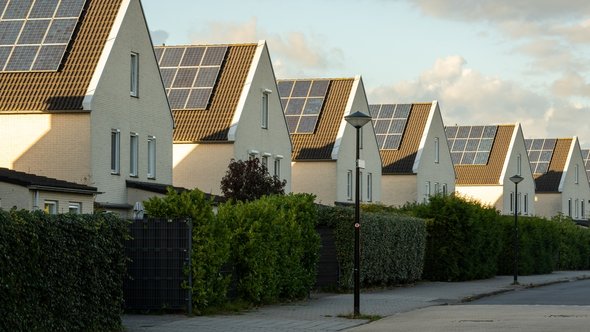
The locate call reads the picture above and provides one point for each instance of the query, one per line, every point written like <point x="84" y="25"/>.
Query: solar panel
<point x="302" y="102"/>
<point x="586" y="156"/>
<point x="189" y="74"/>
<point x="540" y="152"/>
<point x="34" y="34"/>
<point x="470" y="145"/>
<point x="389" y="121"/>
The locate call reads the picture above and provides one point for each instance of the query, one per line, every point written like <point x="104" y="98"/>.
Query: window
<point x="426" y="191"/>
<point x="361" y="138"/>
<point x="519" y="164"/>
<point x="361" y="186"/>
<point x="151" y="155"/>
<point x="511" y="201"/>
<point x="75" y="207"/>
<point x="349" y="185"/>
<point x="582" y="209"/>
<point x="115" y="151"/>
<point x="576" y="208"/>
<point x="518" y="203"/>
<point x="569" y="207"/>
<point x="253" y="154"/>
<point x="134" y="74"/>
<point x="525" y="206"/>
<point x="370" y="187"/>
<point x="278" y="168"/>
<point x="436" y="188"/>
<point x="436" y="150"/>
<point x="265" y="162"/>
<point x="50" y="207"/>
<point x="577" y="174"/>
<point x="133" y="154"/>
<point x="444" y="189"/>
<point x="264" y="115"/>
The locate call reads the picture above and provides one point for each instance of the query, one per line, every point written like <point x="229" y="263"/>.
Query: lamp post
<point x="357" y="120"/>
<point x="516" y="180"/>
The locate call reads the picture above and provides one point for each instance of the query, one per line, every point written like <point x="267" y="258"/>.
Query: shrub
<point x="61" y="272"/>
<point x="249" y="180"/>
<point x="392" y="245"/>
<point x="274" y="246"/>
<point x="463" y="240"/>
<point x="210" y="248"/>
<point x="574" y="245"/>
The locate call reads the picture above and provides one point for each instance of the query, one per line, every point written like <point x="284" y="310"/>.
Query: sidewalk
<point x="321" y="312"/>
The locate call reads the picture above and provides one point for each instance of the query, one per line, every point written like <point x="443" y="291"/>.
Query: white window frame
<point x="436" y="150"/>
<point x="525" y="204"/>
<point x="576" y="208"/>
<point x="151" y="157"/>
<point x="369" y="187"/>
<point x="444" y="189"/>
<point x="264" y="109"/>
<point x="426" y="192"/>
<point x="134" y="75"/>
<point x="569" y="207"/>
<point x="133" y="154"/>
<point x="277" y="170"/>
<point x="50" y="206"/>
<point x="74" y="207"/>
<point x="349" y="185"/>
<point x="519" y="164"/>
<point x="511" y="198"/>
<point x="577" y="174"/>
<point x="115" y="151"/>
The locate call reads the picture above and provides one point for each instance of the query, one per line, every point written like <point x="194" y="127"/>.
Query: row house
<point x="226" y="106"/>
<point x="81" y="99"/>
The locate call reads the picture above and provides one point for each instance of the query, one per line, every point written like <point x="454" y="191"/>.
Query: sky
<point x="485" y="61"/>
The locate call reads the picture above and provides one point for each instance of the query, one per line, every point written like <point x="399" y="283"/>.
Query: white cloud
<point x="470" y="97"/>
<point x="159" y="37"/>
<point x="293" y="53"/>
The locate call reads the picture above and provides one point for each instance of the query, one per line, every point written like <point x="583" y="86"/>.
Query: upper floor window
<point x="519" y="164"/>
<point x="569" y="207"/>
<point x="265" y="162"/>
<point x="349" y="185"/>
<point x="436" y="150"/>
<point x="133" y="154"/>
<point x="134" y="83"/>
<point x="511" y="201"/>
<point x="115" y="151"/>
<point x="151" y="172"/>
<point x="370" y="187"/>
<point x="577" y="174"/>
<point x="278" y="167"/>
<point x="264" y="114"/>
<point x="525" y="206"/>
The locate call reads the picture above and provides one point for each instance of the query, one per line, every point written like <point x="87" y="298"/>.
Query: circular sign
<point x="357" y="225"/>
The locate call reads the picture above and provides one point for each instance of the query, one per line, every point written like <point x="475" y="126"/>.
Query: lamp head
<point x="357" y="119"/>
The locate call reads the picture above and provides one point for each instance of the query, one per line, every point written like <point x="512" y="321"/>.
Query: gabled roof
<point x="212" y="124"/>
<point x="401" y="160"/>
<point x="64" y="89"/>
<point x="33" y="181"/>
<point x="550" y="181"/>
<point x="586" y="157"/>
<point x="489" y="173"/>
<point x="319" y="144"/>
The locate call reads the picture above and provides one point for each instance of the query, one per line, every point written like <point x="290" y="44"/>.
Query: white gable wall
<point x="430" y="173"/>
<point x="274" y="142"/>
<point x="316" y="177"/>
<point x="574" y="191"/>
<point x="397" y="190"/>
<point x="201" y="166"/>
<point x="345" y="151"/>
<point x="112" y="107"/>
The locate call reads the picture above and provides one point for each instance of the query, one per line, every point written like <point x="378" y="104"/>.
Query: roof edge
<point x="517" y="129"/>
<point x="567" y="164"/>
<point x="348" y="110"/>
<point x="422" y="143"/>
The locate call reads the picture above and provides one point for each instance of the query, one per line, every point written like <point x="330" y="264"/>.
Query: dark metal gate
<point x="328" y="272"/>
<point x="159" y="253"/>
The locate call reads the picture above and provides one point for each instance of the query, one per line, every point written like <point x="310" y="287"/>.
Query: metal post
<point x="357" y="227"/>
<point x="516" y="233"/>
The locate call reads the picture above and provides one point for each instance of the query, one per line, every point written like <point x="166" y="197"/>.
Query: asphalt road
<point x="560" y="307"/>
<point x="568" y="293"/>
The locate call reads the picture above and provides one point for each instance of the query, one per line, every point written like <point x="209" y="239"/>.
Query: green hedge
<point x="392" y="245"/>
<point x="464" y="238"/>
<point x="574" y="245"/>
<point x="61" y="272"/>
<point x="274" y="246"/>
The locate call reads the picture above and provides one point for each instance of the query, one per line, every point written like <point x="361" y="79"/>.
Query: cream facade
<point x="251" y="135"/>
<point x="20" y="197"/>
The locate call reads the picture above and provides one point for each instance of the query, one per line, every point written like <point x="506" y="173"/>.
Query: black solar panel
<point x="34" y="34"/>
<point x="540" y="152"/>
<point x="302" y="103"/>
<point x="389" y="121"/>
<point x="189" y="74"/>
<point x="471" y="145"/>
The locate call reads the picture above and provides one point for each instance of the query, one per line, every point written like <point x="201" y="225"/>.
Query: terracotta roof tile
<point x="488" y="174"/>
<point x="63" y="90"/>
<point x="401" y="161"/>
<point x="213" y="123"/>
<point x="549" y="182"/>
<point x="319" y="145"/>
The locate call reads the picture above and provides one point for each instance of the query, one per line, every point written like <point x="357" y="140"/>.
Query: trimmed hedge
<point x="574" y="245"/>
<point x="464" y="238"/>
<point x="392" y="245"/>
<point x="61" y="272"/>
<point x="274" y="246"/>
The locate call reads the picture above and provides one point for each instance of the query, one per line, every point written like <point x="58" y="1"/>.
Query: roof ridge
<point x="317" y="79"/>
<point x="189" y="45"/>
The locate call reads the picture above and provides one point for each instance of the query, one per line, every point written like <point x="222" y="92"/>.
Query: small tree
<point x="249" y="180"/>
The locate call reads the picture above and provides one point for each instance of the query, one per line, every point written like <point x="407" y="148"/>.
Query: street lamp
<point x="516" y="180"/>
<point x="357" y="120"/>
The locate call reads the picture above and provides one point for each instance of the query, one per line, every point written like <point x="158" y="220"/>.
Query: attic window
<point x="35" y="35"/>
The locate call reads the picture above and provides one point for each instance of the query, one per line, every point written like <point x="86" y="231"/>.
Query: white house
<point x="324" y="144"/>
<point x="560" y="176"/>
<point x="485" y="157"/>
<point x="226" y="106"/>
<point x="81" y="98"/>
<point x="416" y="158"/>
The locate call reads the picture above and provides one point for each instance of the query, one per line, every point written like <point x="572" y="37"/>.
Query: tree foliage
<point x="250" y="180"/>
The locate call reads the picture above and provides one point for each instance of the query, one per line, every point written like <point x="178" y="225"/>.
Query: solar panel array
<point x="586" y="156"/>
<point x="302" y="103"/>
<point x="471" y="145"/>
<point x="190" y="73"/>
<point x="389" y="121"/>
<point x="540" y="151"/>
<point x="34" y="34"/>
